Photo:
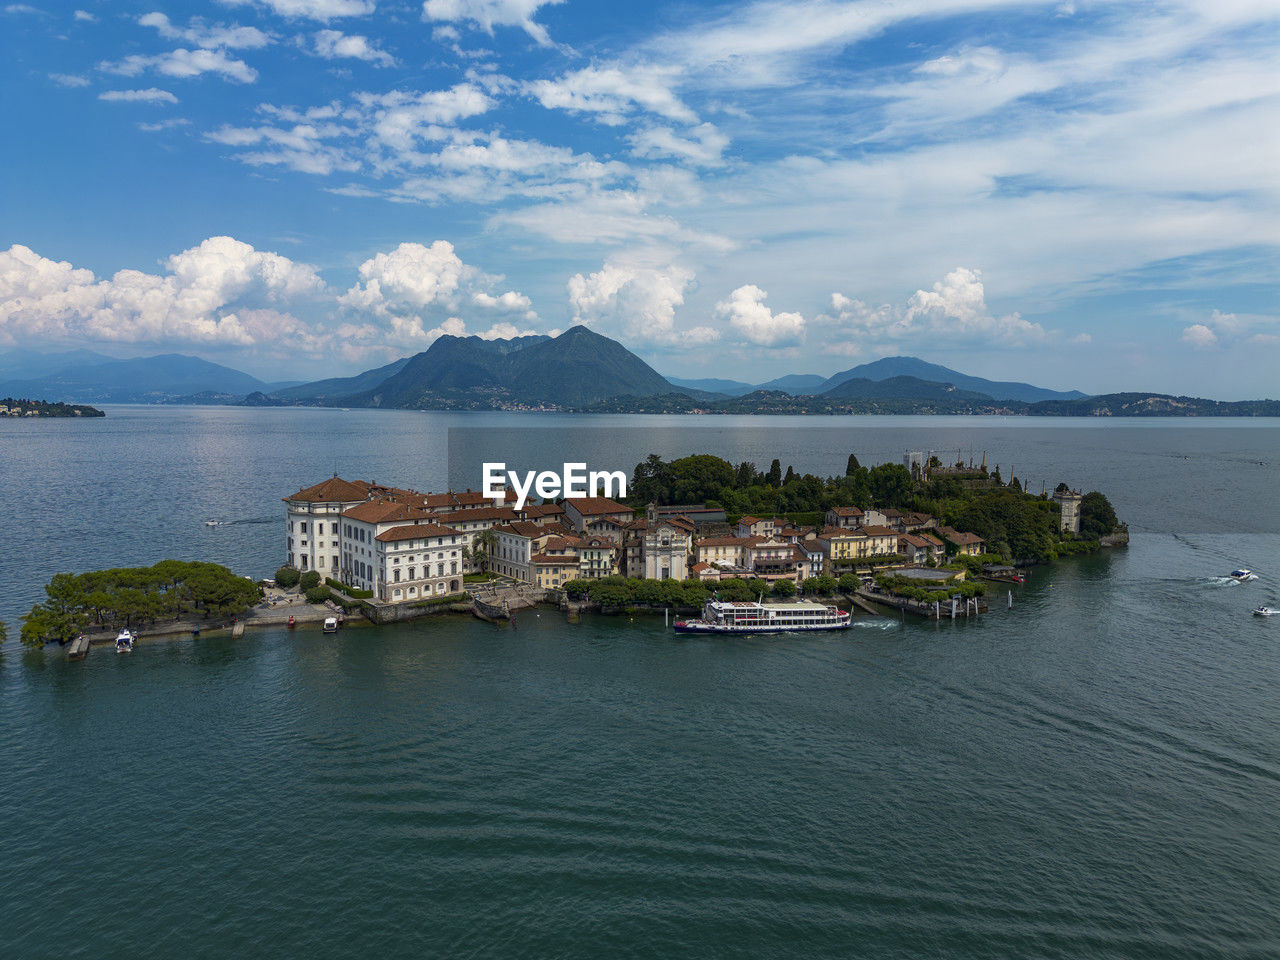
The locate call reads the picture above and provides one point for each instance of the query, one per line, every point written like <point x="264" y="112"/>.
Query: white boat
<point x="212" y="523"/>
<point x="1265" y="611"/>
<point x="124" y="642"/>
<point x="737" y="616"/>
<point x="1243" y="575"/>
<point x="330" y="625"/>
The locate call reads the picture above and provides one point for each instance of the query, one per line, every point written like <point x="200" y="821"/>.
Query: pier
<point x="78" y="648"/>
<point x="944" y="610"/>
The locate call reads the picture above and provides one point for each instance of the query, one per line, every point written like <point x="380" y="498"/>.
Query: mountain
<point x="901" y="388"/>
<point x="340" y="386"/>
<point x="576" y="368"/>
<point x="796" y="384"/>
<point x="1153" y="405"/>
<point x="888" y="367"/>
<point x="141" y="380"/>
<point x="730" y="388"/>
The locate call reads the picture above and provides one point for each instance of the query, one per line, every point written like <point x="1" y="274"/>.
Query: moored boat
<point x="292" y="622"/>
<point x="330" y="625"/>
<point x="738" y="616"/>
<point x="124" y="642"/>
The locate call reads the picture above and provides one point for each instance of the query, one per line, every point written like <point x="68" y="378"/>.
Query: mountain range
<point x="577" y="370"/>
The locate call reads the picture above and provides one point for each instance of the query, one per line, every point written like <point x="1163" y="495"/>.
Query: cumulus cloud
<point x="210" y="294"/>
<point x="184" y="63"/>
<point x="85" y="16"/>
<point x="1232" y="329"/>
<point x="635" y="300"/>
<point x="487" y="14"/>
<point x="322" y="10"/>
<point x="149" y="95"/>
<point x="954" y="310"/>
<point x="201" y="35"/>
<point x="68" y="80"/>
<point x="746" y="311"/>
<point x="404" y="287"/>
<point x="335" y="45"/>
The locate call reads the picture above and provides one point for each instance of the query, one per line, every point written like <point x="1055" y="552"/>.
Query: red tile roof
<point x="416" y="531"/>
<point x="334" y="490"/>
<point x="386" y="511"/>
<point x="591" y="506"/>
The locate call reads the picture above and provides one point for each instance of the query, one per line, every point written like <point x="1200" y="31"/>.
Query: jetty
<point x="78" y="649"/>
<point x="940" y="610"/>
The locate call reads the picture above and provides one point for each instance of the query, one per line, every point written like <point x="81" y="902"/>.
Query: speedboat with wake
<point x="1243" y="575"/>
<point x="124" y="642"/>
<point x="1265" y="611"/>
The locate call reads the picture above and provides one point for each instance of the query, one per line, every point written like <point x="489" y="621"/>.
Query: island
<point x="10" y="407"/>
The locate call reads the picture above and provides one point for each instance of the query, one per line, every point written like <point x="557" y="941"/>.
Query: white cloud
<point x="184" y="63"/>
<point x="322" y="10"/>
<point x="334" y="45"/>
<point x="414" y="279"/>
<point x="639" y="302"/>
<point x="149" y="95"/>
<point x="197" y="33"/>
<point x="703" y="145"/>
<point x="68" y="80"/>
<point x="746" y="310"/>
<point x="1200" y="336"/>
<point x="85" y="16"/>
<point x="610" y="94"/>
<point x="43" y="300"/>
<point x="487" y="14"/>
<point x="954" y="311"/>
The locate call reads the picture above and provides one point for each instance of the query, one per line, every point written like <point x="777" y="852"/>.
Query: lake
<point x="1091" y="773"/>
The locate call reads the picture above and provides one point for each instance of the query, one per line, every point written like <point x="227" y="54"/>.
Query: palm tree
<point x="482" y="546"/>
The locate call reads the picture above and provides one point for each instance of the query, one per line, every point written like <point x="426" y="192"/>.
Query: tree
<point x="784" y="588"/>
<point x="1097" y="516"/>
<point x="482" y="547"/>
<point x="791" y="476"/>
<point x="852" y="466"/>
<point x="318" y="594"/>
<point x="775" y="473"/>
<point x="849" y="583"/>
<point x="309" y="580"/>
<point x="287" y="577"/>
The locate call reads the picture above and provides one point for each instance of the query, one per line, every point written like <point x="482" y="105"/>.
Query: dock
<point x="863" y="605"/>
<point x="930" y="611"/>
<point x="79" y="648"/>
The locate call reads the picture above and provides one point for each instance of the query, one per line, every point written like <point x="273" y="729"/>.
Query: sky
<point x="1078" y="194"/>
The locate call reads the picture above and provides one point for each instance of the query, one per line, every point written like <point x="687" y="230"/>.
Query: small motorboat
<point x="330" y="625"/>
<point x="1265" y="611"/>
<point x="212" y="523"/>
<point x="124" y="642"/>
<point x="292" y="623"/>
<point x="1243" y="575"/>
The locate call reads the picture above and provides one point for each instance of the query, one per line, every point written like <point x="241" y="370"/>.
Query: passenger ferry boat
<point x="738" y="616"/>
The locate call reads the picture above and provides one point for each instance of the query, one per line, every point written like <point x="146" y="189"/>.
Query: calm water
<point x="1094" y="773"/>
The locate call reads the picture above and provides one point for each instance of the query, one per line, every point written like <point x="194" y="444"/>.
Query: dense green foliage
<point x="4" y="632"/>
<point x="287" y="577"/>
<point x="130" y="596"/>
<point x="309" y="580"/>
<point x="46" y="408"/>
<point x="442" y="601"/>
<point x="352" y="592"/>
<point x="318" y="594"/>
<point x="743" y="489"/>
<point x="1097" y="516"/>
<point x="901" y="586"/>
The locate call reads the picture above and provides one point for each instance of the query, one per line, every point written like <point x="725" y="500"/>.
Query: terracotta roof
<point x="964" y="539"/>
<point x="589" y="506"/>
<point x="557" y="561"/>
<point x="532" y="510"/>
<point x="846" y="511"/>
<point x="560" y="543"/>
<point x="727" y="541"/>
<point x="386" y="511"/>
<point x="526" y="529"/>
<point x="416" y="531"/>
<point x="847" y="533"/>
<point x="913" y="540"/>
<point x="334" y="490"/>
<point x="478" y="513"/>
<point x="879" y="532"/>
<point x="750" y="520"/>
<point x="930" y="538"/>
<point x="700" y="566"/>
<point x="596" y="543"/>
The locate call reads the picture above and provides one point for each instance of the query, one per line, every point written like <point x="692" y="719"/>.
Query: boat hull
<point x="689" y="626"/>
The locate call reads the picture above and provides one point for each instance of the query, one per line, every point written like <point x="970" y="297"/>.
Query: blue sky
<point x="1078" y="194"/>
